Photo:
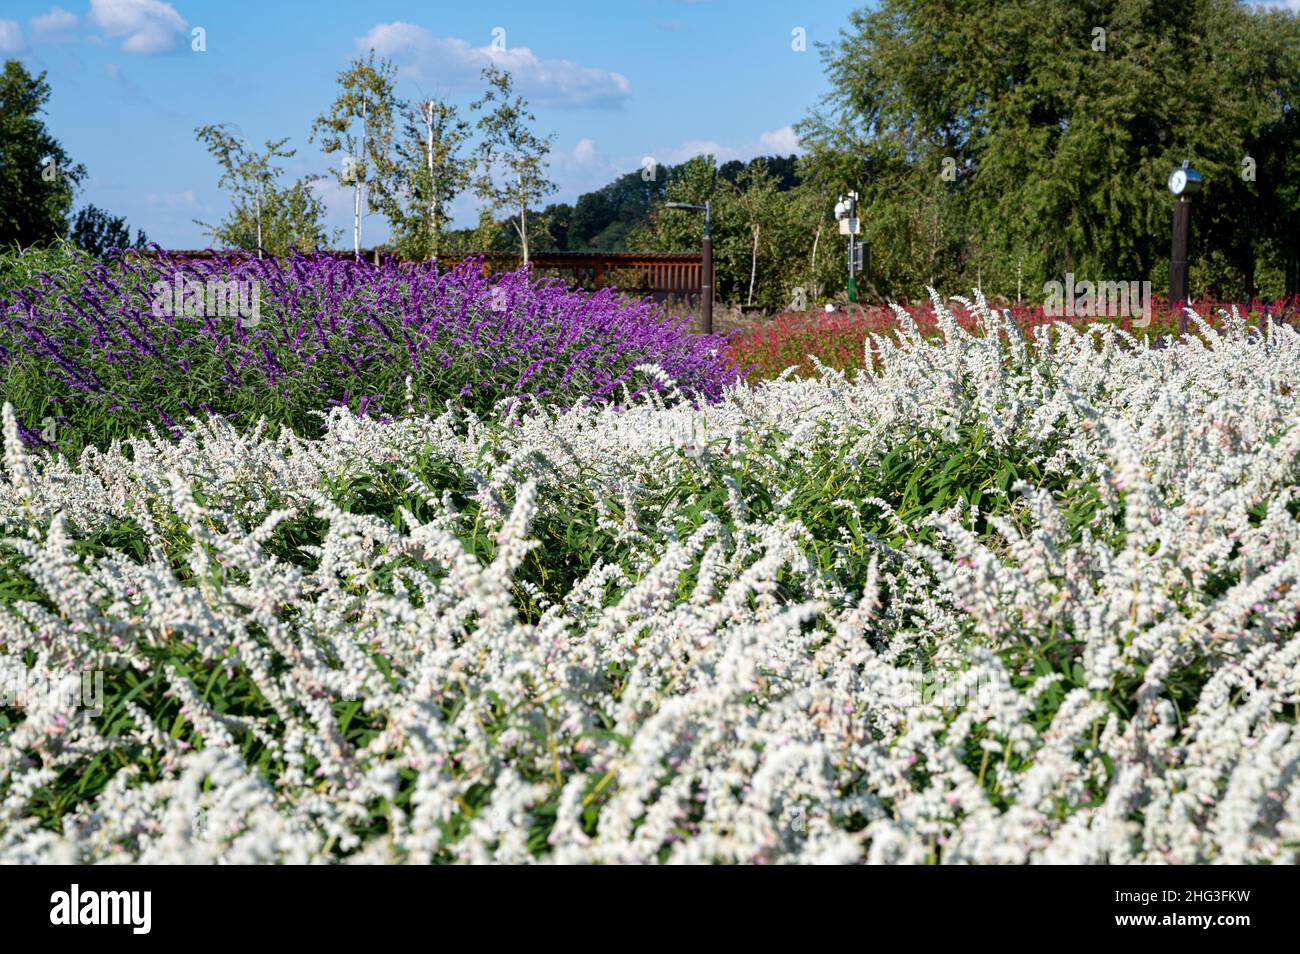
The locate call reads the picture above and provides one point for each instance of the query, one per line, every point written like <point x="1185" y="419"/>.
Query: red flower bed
<point x="838" y="339"/>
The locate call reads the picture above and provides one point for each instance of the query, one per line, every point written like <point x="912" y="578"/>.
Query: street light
<point x="1184" y="183"/>
<point x="706" y="265"/>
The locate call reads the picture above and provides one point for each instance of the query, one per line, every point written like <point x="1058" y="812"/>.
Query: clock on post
<point x="1183" y="183"/>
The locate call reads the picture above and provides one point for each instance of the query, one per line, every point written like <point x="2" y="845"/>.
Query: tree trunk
<point x="433" y="189"/>
<point x="935" y="238"/>
<point x="356" y="218"/>
<point x="1248" y="272"/>
<point x="753" y="267"/>
<point x="523" y="215"/>
<point x="356" y="198"/>
<point x="812" y="282"/>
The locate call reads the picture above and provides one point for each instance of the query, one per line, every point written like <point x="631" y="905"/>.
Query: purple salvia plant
<point x="328" y="331"/>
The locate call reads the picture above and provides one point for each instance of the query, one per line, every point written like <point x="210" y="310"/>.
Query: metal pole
<point x="1178" y="261"/>
<point x="706" y="286"/>
<point x="853" y="215"/>
<point x="706" y="272"/>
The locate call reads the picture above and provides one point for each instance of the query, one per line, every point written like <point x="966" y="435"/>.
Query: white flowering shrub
<point x="999" y="601"/>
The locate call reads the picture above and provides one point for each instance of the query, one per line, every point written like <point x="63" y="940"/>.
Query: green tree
<point x="807" y="256"/>
<point x="1036" y="135"/>
<point x="429" y="173"/>
<point x="552" y="227"/>
<point x="366" y="97"/>
<point x="693" y="182"/>
<point x="264" y="216"/>
<point x="96" y="231"/>
<point x="512" y="159"/>
<point x="765" y="233"/>
<point x="603" y="220"/>
<point x="37" y="177"/>
<point x="756" y="200"/>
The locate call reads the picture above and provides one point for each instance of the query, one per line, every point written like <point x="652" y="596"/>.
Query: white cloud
<point x="54" y="23"/>
<point x="781" y="142"/>
<point x="144" y="26"/>
<point x="583" y="169"/>
<point x="11" y="37"/>
<point x="451" y="61"/>
<point x="586" y="151"/>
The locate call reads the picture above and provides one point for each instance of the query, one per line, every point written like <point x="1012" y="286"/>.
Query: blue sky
<point x="616" y="82"/>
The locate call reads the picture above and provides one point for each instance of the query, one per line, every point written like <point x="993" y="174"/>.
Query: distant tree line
<point x="998" y="143"/>
<point x="1002" y="144"/>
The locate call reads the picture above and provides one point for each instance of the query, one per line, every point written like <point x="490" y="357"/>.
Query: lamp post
<point x="706" y="265"/>
<point x="846" y="211"/>
<point x="1183" y="183"/>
